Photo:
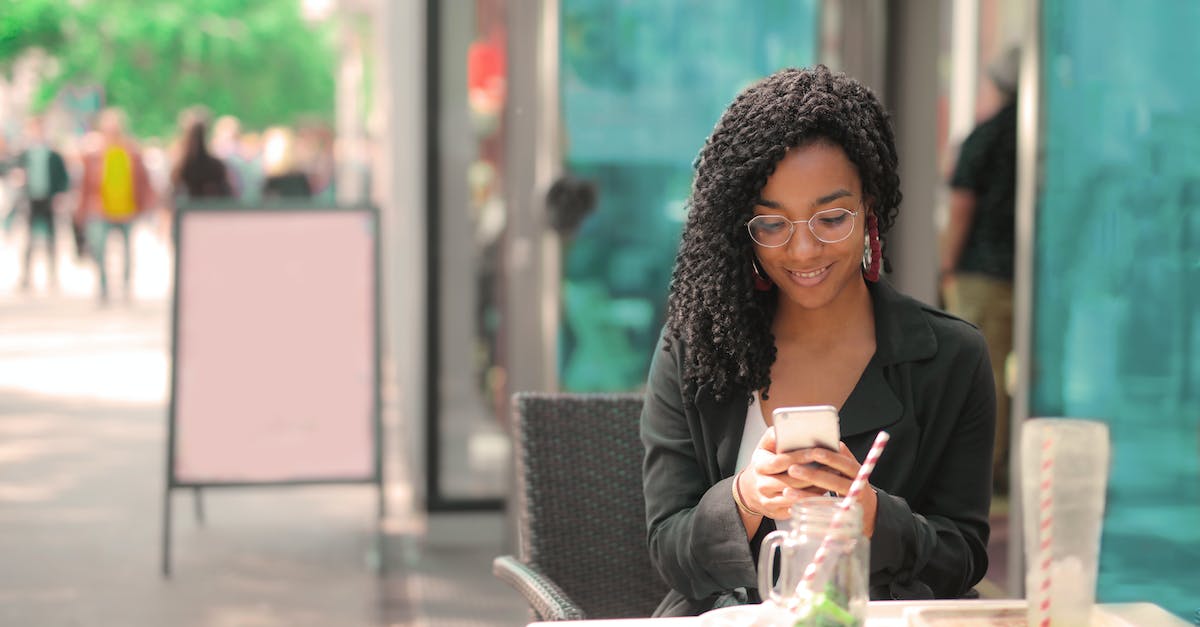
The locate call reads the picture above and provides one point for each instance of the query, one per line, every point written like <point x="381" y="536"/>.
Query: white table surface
<point x="891" y="614"/>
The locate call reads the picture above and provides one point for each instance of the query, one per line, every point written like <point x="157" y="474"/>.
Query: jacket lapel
<point x="901" y="331"/>
<point x="901" y="334"/>
<point x="872" y="404"/>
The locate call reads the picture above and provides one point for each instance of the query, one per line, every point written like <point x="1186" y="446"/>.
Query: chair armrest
<point x="548" y="600"/>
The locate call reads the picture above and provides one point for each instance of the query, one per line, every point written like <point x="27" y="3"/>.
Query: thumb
<point x="767" y="441"/>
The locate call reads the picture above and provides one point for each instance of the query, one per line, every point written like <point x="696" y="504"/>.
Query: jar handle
<point x="766" y="566"/>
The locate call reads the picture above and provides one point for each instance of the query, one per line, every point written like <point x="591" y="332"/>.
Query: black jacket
<point x="59" y="179"/>
<point x="929" y="385"/>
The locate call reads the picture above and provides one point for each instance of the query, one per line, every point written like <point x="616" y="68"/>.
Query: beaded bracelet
<point x="737" y="497"/>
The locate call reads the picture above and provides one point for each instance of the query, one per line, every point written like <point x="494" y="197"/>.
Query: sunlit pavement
<point x="83" y="391"/>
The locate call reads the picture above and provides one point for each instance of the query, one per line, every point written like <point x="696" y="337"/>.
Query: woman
<point x="776" y="301"/>
<point x="199" y="175"/>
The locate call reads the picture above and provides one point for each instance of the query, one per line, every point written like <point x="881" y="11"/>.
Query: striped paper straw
<point x="1045" y="535"/>
<point x="860" y="481"/>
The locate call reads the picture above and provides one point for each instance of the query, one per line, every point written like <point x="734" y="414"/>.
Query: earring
<point x="761" y="282"/>
<point x="872" y="250"/>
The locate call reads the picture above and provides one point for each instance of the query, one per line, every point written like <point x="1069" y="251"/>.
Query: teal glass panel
<point x="1117" y="297"/>
<point x="642" y="84"/>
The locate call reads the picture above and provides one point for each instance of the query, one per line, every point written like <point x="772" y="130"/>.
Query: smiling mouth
<point x="811" y="274"/>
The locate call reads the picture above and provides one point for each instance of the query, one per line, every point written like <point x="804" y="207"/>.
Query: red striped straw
<point x="860" y="481"/>
<point x="1045" y="525"/>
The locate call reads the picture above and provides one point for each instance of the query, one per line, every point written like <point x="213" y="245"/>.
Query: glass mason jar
<point x="836" y="593"/>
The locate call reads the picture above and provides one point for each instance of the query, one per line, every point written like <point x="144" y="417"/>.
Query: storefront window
<point x="642" y="85"/>
<point x="1116" y="312"/>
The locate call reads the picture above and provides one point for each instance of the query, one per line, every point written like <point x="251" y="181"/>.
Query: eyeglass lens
<point x="829" y="226"/>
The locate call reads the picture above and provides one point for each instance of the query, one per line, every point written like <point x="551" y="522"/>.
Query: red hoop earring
<point x="761" y="282"/>
<point x="872" y="250"/>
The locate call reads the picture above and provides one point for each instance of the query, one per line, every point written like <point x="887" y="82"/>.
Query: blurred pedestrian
<point x="74" y="148"/>
<point x="978" y="243"/>
<point x="198" y="174"/>
<point x="315" y="157"/>
<point x="284" y="178"/>
<point x="115" y="188"/>
<point x="159" y="169"/>
<point x="183" y="122"/>
<point x="250" y="147"/>
<point x="45" y="175"/>
<point x="245" y="172"/>
<point x="9" y="203"/>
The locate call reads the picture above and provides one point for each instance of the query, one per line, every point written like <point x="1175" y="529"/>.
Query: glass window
<point x="642" y="85"/>
<point x="1117" y="315"/>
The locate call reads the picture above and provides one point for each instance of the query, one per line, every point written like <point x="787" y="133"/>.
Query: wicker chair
<point x="581" y="510"/>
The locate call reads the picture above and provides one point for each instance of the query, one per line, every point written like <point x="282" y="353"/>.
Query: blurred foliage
<point x="27" y="24"/>
<point x="256" y="59"/>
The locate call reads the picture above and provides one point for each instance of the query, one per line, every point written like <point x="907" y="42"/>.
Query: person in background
<point x="183" y="122"/>
<point x="159" y="170"/>
<point x="45" y="174"/>
<point x="977" y="248"/>
<point x="9" y="203"/>
<point x="315" y="150"/>
<point x="776" y="301"/>
<point x="199" y="175"/>
<point x="250" y="148"/>
<point x="284" y="178"/>
<point x="114" y="190"/>
<point x="74" y="148"/>
<point x="245" y="172"/>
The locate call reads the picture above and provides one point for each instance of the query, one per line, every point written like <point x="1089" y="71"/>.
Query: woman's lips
<point x="809" y="278"/>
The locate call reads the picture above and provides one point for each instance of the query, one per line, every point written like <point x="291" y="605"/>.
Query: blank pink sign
<point x="275" y="346"/>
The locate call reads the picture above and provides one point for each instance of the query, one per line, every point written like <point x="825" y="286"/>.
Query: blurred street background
<point x="526" y="165"/>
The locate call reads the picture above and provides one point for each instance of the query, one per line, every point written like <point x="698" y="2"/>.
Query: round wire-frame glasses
<point x="829" y="226"/>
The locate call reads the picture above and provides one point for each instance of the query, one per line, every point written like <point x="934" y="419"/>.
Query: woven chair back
<point x="582" y="517"/>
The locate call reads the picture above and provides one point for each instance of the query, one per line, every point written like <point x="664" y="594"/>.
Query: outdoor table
<point x="892" y="614"/>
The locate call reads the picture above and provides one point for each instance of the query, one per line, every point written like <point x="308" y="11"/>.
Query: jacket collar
<point x="902" y="334"/>
<point x="902" y="331"/>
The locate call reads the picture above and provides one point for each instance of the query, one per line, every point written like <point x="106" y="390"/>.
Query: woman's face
<point x="809" y="180"/>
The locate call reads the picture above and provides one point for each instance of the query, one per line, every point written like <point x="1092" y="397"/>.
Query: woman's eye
<point x="833" y="220"/>
<point x="771" y="226"/>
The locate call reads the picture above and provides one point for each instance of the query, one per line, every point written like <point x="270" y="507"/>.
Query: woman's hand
<point x="835" y="472"/>
<point x="765" y="484"/>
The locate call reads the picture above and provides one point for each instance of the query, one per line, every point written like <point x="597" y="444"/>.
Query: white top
<point x="756" y="426"/>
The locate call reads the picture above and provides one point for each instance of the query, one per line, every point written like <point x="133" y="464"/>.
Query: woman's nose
<point x="803" y="243"/>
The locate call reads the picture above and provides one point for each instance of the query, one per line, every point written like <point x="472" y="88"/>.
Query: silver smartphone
<point x="806" y="427"/>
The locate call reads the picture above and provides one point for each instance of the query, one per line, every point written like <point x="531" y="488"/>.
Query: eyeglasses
<point x="829" y="226"/>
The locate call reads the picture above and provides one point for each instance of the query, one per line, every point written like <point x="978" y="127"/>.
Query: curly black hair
<point x="713" y="306"/>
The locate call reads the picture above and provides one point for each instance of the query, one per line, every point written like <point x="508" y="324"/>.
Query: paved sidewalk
<point x="82" y="451"/>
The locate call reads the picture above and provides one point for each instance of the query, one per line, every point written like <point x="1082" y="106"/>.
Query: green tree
<point x="25" y="25"/>
<point x="256" y="59"/>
